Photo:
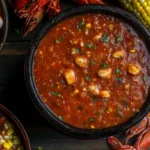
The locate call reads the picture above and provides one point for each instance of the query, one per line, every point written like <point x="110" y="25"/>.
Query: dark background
<point x="14" y="95"/>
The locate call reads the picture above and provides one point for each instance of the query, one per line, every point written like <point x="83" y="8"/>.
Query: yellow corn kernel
<point x="92" y="126"/>
<point x="58" y="86"/>
<point x="6" y="145"/>
<point x="111" y="27"/>
<point x="88" y="26"/>
<point x="76" y="92"/>
<point x="10" y="143"/>
<point x="132" y="50"/>
<point x="110" y="109"/>
<point x="104" y="25"/>
<point x="84" y="89"/>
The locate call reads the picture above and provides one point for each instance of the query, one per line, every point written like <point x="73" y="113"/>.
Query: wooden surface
<point x="13" y="95"/>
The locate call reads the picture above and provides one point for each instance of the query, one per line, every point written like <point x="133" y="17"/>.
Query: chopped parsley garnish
<point x="120" y="113"/>
<point x="59" y="40"/>
<point x="119" y="79"/>
<point x="99" y="113"/>
<point x="119" y="38"/>
<point x="56" y="93"/>
<point x="92" y="119"/>
<point x="144" y="78"/>
<point x="105" y="109"/>
<point x="117" y="71"/>
<point x="105" y="38"/>
<point x="60" y="117"/>
<point x="94" y="99"/>
<point x="88" y="45"/>
<point x="77" y="50"/>
<point x="92" y="63"/>
<point x="126" y="103"/>
<point x="118" y="109"/>
<point x="82" y="23"/>
<point x="104" y="65"/>
<point x="88" y="78"/>
<point x="80" y="108"/>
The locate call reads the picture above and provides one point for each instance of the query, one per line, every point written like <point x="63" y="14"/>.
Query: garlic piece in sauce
<point x="105" y="73"/>
<point x="118" y="54"/>
<point x="81" y="61"/>
<point x="134" y="69"/>
<point x="93" y="89"/>
<point x="69" y="75"/>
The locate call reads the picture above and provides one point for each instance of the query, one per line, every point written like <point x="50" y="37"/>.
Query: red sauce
<point x="92" y="71"/>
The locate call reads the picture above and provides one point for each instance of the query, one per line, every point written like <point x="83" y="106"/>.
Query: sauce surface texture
<point x="92" y="71"/>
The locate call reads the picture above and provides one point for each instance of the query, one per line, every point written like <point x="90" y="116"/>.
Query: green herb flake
<point x="60" y="117"/>
<point x="105" y="38"/>
<point x="117" y="71"/>
<point x="88" y="78"/>
<point x="56" y="93"/>
<point x="105" y="109"/>
<point x="121" y="115"/>
<point x="77" y="50"/>
<point x="104" y="65"/>
<point x="59" y="40"/>
<point x="39" y="148"/>
<point x="92" y="63"/>
<point x="94" y="99"/>
<point x="119" y="79"/>
<point x="126" y="103"/>
<point x="144" y="78"/>
<point x="92" y="119"/>
<point x="99" y="113"/>
<point x="119" y="38"/>
<point x="88" y="45"/>
<point x="118" y="109"/>
<point x="80" y="108"/>
<point x="82" y="23"/>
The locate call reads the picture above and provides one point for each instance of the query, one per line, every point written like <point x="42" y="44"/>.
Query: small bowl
<point x="45" y="110"/>
<point x="4" y="29"/>
<point x="18" y="127"/>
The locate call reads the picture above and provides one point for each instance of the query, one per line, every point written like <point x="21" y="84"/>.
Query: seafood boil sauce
<point x="92" y="71"/>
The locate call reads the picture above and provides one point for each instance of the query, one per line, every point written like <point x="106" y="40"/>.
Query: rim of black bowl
<point x="19" y="125"/>
<point x="43" y="108"/>
<point x="5" y="19"/>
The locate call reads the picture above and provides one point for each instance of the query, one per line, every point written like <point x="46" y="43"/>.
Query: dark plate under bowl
<point x="46" y="112"/>
<point x="18" y="127"/>
<point x="4" y="29"/>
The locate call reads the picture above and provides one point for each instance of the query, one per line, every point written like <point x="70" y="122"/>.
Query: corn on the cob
<point x="141" y="8"/>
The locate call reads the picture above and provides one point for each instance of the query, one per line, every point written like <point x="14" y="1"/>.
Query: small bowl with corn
<point x="12" y="134"/>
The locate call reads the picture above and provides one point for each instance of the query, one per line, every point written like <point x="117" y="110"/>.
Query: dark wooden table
<point x="13" y="94"/>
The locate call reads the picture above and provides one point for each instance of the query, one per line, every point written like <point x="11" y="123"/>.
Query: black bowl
<point x="43" y="108"/>
<point x="18" y="127"/>
<point x="4" y="29"/>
